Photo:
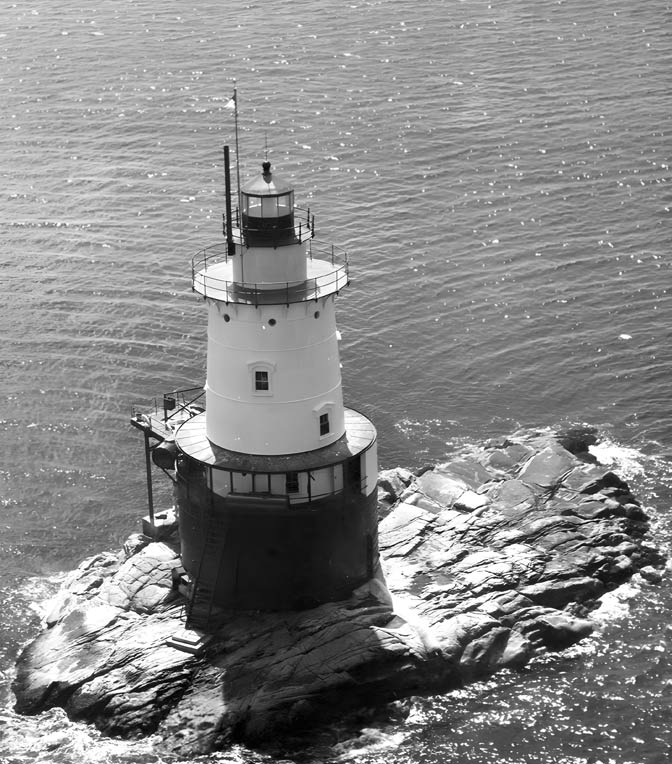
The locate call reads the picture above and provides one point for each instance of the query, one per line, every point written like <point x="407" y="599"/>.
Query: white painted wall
<point x="370" y="469"/>
<point x="301" y="354"/>
<point x="268" y="265"/>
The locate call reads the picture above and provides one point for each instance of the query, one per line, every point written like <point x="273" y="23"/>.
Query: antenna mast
<point x="235" y="113"/>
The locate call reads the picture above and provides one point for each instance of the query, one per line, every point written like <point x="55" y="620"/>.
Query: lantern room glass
<point x="268" y="206"/>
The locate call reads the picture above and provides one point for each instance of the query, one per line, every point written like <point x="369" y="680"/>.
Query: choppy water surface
<point x="500" y="176"/>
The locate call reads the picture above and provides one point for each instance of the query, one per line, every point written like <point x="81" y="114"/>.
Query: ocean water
<point x="500" y="176"/>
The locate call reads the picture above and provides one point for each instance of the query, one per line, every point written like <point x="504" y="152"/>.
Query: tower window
<point x="324" y="423"/>
<point x="292" y="482"/>
<point x="261" y="377"/>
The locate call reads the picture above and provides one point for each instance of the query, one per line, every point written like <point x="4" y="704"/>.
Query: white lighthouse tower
<point x="275" y="479"/>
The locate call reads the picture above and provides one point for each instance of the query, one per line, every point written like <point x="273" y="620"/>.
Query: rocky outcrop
<point x="487" y="561"/>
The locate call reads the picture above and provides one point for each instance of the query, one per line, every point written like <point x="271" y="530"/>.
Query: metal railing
<point x="270" y="293"/>
<point x="302" y="229"/>
<point x="182" y="402"/>
<point x="182" y="405"/>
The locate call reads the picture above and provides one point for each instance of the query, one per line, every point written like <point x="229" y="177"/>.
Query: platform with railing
<point x="296" y="228"/>
<point x="166" y="414"/>
<point x="327" y="273"/>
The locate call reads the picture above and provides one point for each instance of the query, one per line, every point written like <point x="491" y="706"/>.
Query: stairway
<point x="202" y="612"/>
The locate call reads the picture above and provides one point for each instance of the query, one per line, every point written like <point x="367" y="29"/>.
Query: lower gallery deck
<point x="360" y="434"/>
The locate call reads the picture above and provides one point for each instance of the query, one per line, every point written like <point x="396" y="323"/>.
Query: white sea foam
<point x="370" y="740"/>
<point x="38" y="591"/>
<point x="616" y="605"/>
<point x="628" y="461"/>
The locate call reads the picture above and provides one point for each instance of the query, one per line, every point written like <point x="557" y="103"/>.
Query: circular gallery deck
<point x="359" y="435"/>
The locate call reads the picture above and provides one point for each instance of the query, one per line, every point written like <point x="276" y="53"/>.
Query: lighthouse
<point x="275" y="478"/>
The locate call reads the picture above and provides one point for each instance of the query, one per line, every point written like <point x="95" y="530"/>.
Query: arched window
<point x="261" y="377"/>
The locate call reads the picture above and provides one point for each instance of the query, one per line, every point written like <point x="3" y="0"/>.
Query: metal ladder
<point x="201" y="605"/>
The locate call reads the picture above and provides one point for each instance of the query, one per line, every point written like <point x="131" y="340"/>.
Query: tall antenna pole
<point x="235" y="105"/>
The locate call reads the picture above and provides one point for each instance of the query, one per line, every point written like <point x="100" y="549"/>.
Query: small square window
<point x="261" y="380"/>
<point x="324" y="424"/>
<point x="292" y="482"/>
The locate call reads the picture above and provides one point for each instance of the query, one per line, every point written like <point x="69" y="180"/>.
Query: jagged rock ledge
<point x="487" y="561"/>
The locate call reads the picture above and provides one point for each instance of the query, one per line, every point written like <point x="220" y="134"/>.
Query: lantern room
<point x="267" y="207"/>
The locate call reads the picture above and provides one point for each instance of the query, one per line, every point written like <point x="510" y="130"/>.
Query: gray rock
<point x="392" y="483"/>
<point x="484" y="562"/>
<point x="651" y="574"/>
<point x="547" y="468"/>
<point x="144" y="581"/>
